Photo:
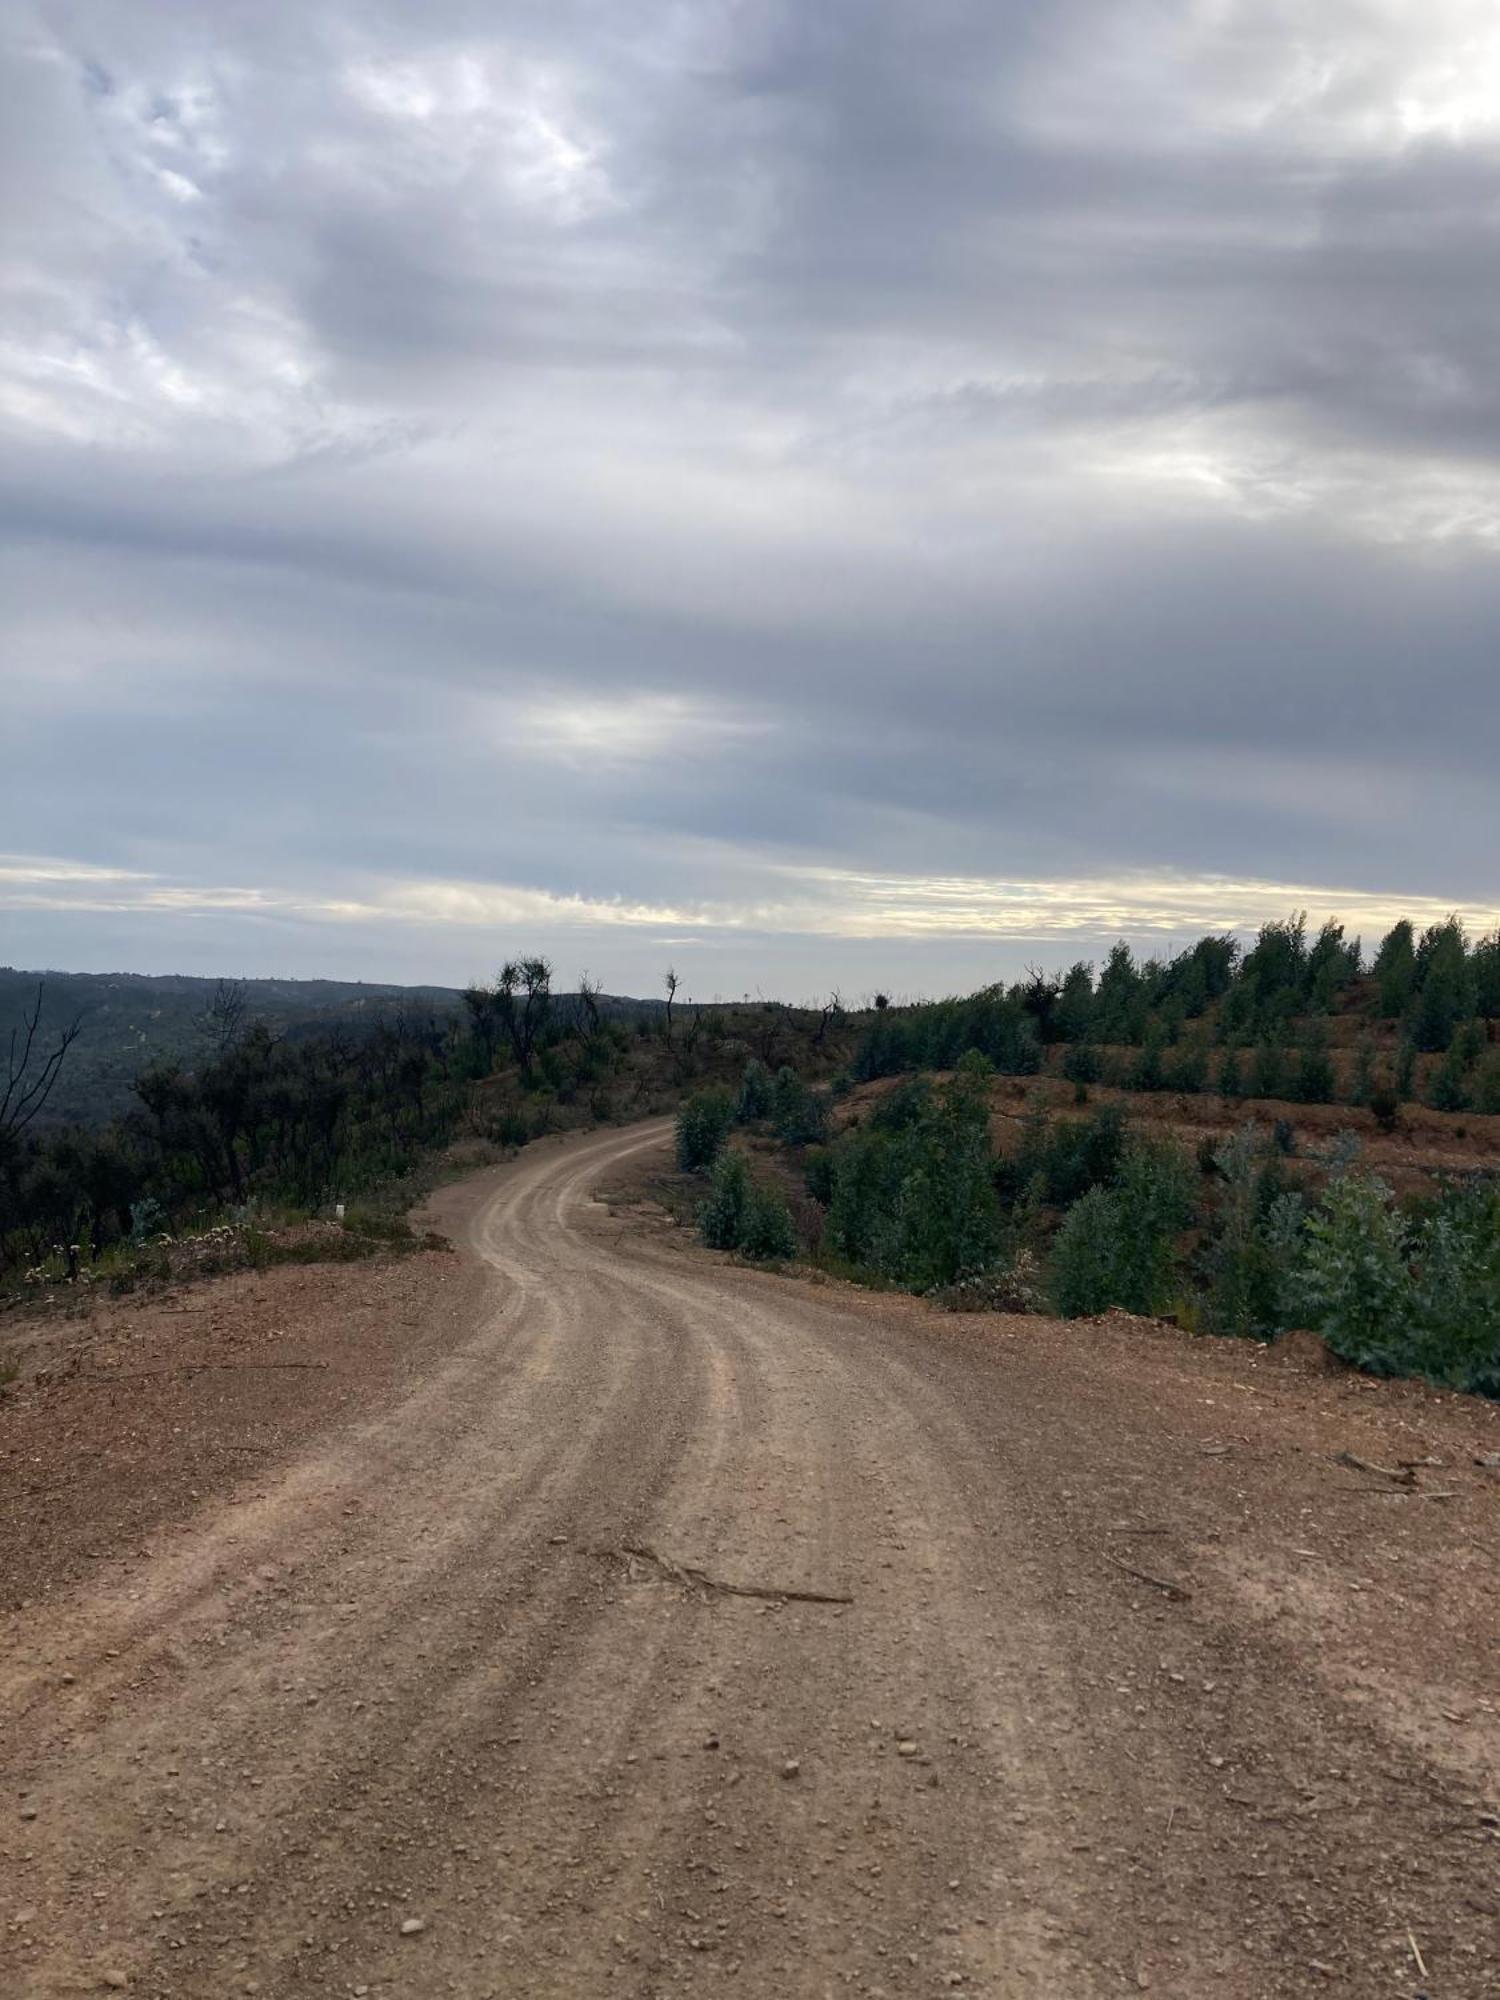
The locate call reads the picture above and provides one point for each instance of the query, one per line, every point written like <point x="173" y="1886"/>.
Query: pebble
<point x="412" y="1925"/>
<point x="906" y="1748"/>
<point x="28" y="1812"/>
<point x="116" y="1981"/>
<point x="790" y="1768"/>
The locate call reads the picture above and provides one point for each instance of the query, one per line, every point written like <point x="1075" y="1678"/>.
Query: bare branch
<point x="27" y="1088"/>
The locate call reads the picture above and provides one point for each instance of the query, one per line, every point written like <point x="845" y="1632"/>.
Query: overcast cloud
<point x="863" y="494"/>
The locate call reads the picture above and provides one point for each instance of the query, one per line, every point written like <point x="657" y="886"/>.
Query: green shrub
<point x="1117" y="1245"/>
<point x="1353" y="1282"/>
<point x="721" y="1218"/>
<point x="739" y="1215"/>
<point x="1449" y="1090"/>
<point x="1247" y="1256"/>
<point x="1080" y="1063"/>
<point x="1155" y="1187"/>
<point x="1149" y="1069"/>
<point x="817" y="1173"/>
<point x="1313" y="1082"/>
<point x="755" y="1093"/>
<point x="907" y="1105"/>
<point x="1078" y="1155"/>
<point x="1364" y="1086"/>
<point x="768" y="1232"/>
<point x="1448" y="994"/>
<point x="1267" y="1070"/>
<point x="1404" y="1078"/>
<point x="1403" y="1297"/>
<point x="798" y="1115"/>
<point x="1385" y="1108"/>
<point x="703" y="1125"/>
<point x="1189" y="1073"/>
<point x="1085" y="1254"/>
<point x="916" y="1204"/>
<point x="1456" y="1291"/>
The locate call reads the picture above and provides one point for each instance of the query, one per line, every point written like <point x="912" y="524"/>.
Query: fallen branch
<point x="1176" y="1591"/>
<point x="1396" y="1493"/>
<point x="688" y="1577"/>
<point x="1404" y="1476"/>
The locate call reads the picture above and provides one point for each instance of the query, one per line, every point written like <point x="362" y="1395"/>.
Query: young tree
<point x="1446" y="996"/>
<point x="1074" y="1017"/>
<point x="757" y="1093"/>
<point x="1485" y="961"/>
<point x="703" y="1125"/>
<point x="1314" y="1080"/>
<point x="1396" y="970"/>
<point x="523" y="1001"/>
<point x="1120" y="1002"/>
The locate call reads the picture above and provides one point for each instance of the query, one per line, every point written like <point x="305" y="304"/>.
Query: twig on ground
<point x="692" y="1578"/>
<point x="1397" y="1493"/>
<point x="1174" y="1590"/>
<point x="1403" y="1476"/>
<point x="1416" y="1953"/>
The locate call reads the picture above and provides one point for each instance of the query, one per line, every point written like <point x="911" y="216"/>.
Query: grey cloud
<point x="1037" y="448"/>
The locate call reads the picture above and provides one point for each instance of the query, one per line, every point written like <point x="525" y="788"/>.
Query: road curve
<point x="414" y="1720"/>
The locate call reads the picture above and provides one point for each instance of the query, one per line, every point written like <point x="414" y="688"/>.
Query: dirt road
<point x="409" y="1717"/>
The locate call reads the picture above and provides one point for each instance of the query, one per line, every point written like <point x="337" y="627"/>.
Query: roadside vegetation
<point x="1085" y="1208"/>
<point x="1014" y="1148"/>
<point x="277" y="1145"/>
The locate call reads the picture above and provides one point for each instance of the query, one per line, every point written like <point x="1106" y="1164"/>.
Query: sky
<point x="843" y="496"/>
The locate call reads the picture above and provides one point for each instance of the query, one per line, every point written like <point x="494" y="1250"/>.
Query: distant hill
<point x="132" y="1020"/>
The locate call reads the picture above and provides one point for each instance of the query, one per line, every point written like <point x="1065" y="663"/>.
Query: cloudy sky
<point x="865" y="494"/>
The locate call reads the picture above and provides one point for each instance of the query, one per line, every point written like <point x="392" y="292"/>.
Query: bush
<point x="1448" y="1090"/>
<point x="1080" y="1063"/>
<point x="1247" y="1257"/>
<point x="768" y="1232"/>
<point x="1149" y="1070"/>
<point x="1353" y="1282"/>
<point x="1314" y="1080"/>
<point x="1231" y="1078"/>
<point x="1117" y="1245"/>
<point x="755" y="1093"/>
<point x="797" y="1113"/>
<point x="817" y="1172"/>
<point x="1406" y="1071"/>
<point x="1189" y="1073"/>
<point x="1385" y="1108"/>
<point x="738" y="1215"/>
<point x="917" y="1204"/>
<point x="1456" y="1291"/>
<point x="1267" y="1070"/>
<point x="1085" y="1254"/>
<point x="703" y="1125"/>
<point x="721" y="1218"/>
<point x="1072" y="1157"/>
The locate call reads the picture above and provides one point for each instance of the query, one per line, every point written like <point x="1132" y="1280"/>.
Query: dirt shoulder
<point x="131" y="1416"/>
